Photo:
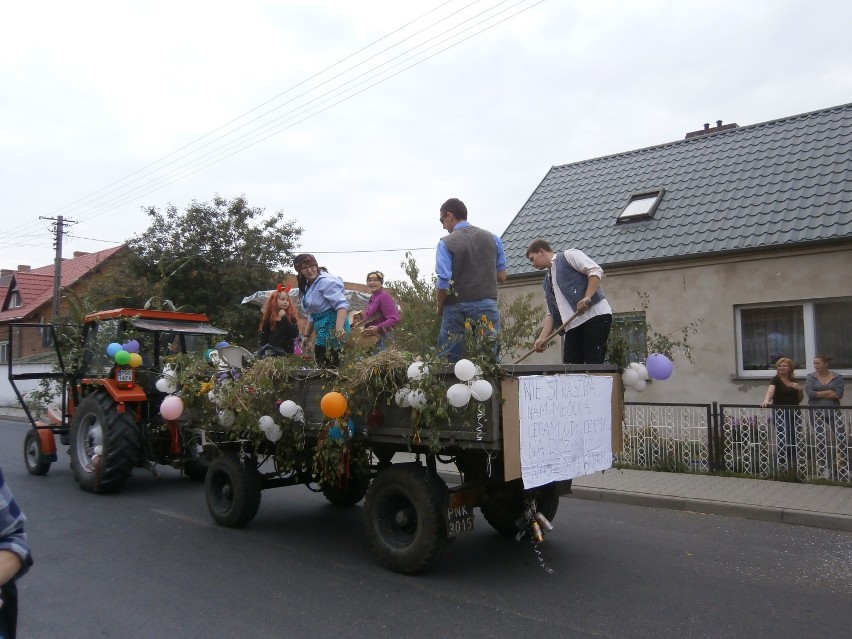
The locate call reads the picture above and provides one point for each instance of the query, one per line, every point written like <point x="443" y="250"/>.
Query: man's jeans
<point x="451" y="337"/>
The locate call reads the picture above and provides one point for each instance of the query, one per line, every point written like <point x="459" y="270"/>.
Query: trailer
<point x="539" y="427"/>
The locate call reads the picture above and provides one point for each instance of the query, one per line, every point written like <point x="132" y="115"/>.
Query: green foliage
<point x="207" y="258"/>
<point x="624" y="336"/>
<point x="520" y="324"/>
<point x="420" y="323"/>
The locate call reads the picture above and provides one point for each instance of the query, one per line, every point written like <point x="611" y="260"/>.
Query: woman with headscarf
<point x="324" y="302"/>
<point x="381" y="313"/>
<point x="278" y="327"/>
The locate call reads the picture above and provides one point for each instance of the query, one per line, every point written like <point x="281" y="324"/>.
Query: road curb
<point x="715" y="507"/>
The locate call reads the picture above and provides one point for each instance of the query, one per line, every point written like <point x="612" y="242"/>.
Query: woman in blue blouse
<point x="325" y="304"/>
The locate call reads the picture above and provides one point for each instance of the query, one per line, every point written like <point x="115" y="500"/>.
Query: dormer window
<point x="15" y="299"/>
<point x="641" y="206"/>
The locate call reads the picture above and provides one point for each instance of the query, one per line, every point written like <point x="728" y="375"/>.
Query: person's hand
<point x="583" y="305"/>
<point x="540" y="345"/>
<point x="341" y="334"/>
<point x="764" y="404"/>
<point x="370" y="331"/>
<point x="281" y="315"/>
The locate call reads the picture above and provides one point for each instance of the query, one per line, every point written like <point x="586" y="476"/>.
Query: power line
<point x="336" y="95"/>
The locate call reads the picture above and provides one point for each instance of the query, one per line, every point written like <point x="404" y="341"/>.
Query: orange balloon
<point x="333" y="405"/>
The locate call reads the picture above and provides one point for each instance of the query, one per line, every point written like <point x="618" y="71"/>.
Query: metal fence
<point x="793" y="443"/>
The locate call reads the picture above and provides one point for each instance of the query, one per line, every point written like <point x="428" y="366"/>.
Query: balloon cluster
<point x="657" y="367"/>
<point x="459" y="395"/>
<point x="126" y="354"/>
<point x="270" y="428"/>
<point x="172" y="406"/>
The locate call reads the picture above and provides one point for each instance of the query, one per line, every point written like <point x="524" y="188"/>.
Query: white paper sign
<point x="566" y="426"/>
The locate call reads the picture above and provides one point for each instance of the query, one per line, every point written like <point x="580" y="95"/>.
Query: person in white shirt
<point x="573" y="287"/>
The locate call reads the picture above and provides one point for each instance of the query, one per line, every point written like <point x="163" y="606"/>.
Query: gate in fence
<point x="785" y="442"/>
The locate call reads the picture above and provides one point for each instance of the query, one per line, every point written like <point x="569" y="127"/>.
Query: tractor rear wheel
<point x="98" y="422"/>
<point x="34" y="457"/>
<point x="233" y="491"/>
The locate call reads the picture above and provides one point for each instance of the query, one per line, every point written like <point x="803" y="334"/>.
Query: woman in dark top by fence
<point x="785" y="391"/>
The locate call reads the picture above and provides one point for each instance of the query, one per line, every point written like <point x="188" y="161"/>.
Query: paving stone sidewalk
<point x="801" y="504"/>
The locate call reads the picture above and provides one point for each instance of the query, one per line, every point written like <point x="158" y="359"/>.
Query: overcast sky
<point x="108" y="107"/>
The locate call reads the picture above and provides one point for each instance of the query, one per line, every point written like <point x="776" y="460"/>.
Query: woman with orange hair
<point x="278" y="327"/>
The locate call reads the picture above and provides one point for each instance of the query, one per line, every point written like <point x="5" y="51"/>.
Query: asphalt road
<point x="150" y="562"/>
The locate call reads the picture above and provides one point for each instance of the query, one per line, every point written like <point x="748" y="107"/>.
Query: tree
<point x="209" y="257"/>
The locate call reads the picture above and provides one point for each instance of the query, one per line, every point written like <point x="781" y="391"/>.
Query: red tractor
<point x="109" y="413"/>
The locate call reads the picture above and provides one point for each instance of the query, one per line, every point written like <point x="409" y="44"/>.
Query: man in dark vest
<point x="469" y="263"/>
<point x="572" y="285"/>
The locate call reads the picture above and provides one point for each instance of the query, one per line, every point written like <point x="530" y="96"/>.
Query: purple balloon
<point x="131" y="347"/>
<point x="659" y="366"/>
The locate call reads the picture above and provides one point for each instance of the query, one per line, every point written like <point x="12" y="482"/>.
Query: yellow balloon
<point x="135" y="360"/>
<point x="333" y="405"/>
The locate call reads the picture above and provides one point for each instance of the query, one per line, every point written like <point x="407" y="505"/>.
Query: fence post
<point x="714" y="436"/>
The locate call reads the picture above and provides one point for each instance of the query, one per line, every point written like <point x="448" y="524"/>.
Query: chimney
<point x="708" y="130"/>
<point x="23" y="268"/>
<point x="80" y="253"/>
<point x="6" y="272"/>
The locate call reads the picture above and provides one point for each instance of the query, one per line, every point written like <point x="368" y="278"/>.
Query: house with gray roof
<point x="746" y="228"/>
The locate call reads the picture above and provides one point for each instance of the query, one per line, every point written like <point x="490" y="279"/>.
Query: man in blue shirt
<point x="469" y="263"/>
<point x="15" y="558"/>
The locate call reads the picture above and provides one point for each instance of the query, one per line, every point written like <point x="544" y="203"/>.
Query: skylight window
<point x="641" y="206"/>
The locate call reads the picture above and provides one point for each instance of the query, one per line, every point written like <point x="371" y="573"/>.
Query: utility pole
<point x="57" y="261"/>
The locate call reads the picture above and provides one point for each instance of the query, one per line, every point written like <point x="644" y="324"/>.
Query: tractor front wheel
<point x="34" y="457"/>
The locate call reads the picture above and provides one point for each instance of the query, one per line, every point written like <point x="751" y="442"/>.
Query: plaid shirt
<point x="12" y="535"/>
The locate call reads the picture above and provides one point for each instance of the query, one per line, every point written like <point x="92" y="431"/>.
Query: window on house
<point x="641" y="206"/>
<point x="15" y="299"/>
<point x="627" y="338"/>
<point x="4" y="352"/>
<point x="799" y="331"/>
<point x="46" y="339"/>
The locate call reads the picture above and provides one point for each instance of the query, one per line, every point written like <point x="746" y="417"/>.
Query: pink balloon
<point x="172" y="407"/>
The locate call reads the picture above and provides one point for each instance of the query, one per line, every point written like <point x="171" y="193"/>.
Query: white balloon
<point x="166" y="384"/>
<point x="458" y="394"/>
<point x="273" y="434"/>
<point x="213" y="397"/>
<point x="417" y="370"/>
<point x="227" y="418"/>
<point x="265" y="423"/>
<point x="481" y="390"/>
<point x="401" y="397"/>
<point x="639" y="385"/>
<point x="98" y="450"/>
<point x="641" y="369"/>
<point x="288" y="408"/>
<point x="629" y="377"/>
<point x="416" y="398"/>
<point x="465" y="369"/>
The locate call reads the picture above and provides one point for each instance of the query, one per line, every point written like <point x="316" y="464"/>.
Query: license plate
<point x="124" y="375"/>
<point x="459" y="515"/>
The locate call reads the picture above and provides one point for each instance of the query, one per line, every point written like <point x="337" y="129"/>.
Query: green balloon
<point x="122" y="358"/>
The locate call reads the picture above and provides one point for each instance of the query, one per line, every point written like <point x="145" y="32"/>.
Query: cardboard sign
<point x="565" y="426"/>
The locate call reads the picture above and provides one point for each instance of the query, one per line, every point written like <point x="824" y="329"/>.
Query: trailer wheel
<point x="505" y="506"/>
<point x="404" y="514"/>
<point x="233" y="492"/>
<point x="34" y="458"/>
<point x="97" y="422"/>
<point x="349" y="494"/>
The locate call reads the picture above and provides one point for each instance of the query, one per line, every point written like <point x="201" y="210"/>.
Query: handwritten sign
<point x="566" y="426"/>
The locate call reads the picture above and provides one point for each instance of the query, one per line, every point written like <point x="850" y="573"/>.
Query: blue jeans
<point x="451" y="337"/>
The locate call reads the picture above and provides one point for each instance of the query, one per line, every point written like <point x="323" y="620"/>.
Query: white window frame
<point x="810" y="339"/>
<point x="4" y="352"/>
<point x="651" y="200"/>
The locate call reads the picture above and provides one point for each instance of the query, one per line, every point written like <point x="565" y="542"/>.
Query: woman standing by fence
<point x="784" y="392"/>
<point x="825" y="388"/>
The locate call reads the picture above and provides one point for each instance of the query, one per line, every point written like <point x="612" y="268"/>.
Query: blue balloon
<point x="659" y="366"/>
<point x="113" y="348"/>
<point x="222" y="344"/>
<point x="335" y="433"/>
